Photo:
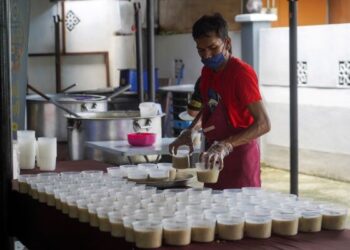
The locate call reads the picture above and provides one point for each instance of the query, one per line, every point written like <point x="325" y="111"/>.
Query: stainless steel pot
<point x="48" y="120"/>
<point x="107" y="126"/>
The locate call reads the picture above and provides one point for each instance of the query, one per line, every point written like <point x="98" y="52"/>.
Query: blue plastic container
<point x="129" y="76"/>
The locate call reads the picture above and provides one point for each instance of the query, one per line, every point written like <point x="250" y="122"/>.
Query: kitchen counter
<point x="39" y="226"/>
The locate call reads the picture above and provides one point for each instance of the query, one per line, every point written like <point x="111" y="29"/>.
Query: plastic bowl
<point x="141" y="139"/>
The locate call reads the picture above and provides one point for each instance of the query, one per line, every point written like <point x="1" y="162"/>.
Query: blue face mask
<point x="215" y="61"/>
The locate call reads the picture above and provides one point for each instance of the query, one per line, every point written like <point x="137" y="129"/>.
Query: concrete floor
<point x="314" y="187"/>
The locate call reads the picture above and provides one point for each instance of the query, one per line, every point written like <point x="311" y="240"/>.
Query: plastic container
<point x="310" y="220"/>
<point x="202" y="230"/>
<point x="83" y="213"/>
<point x="148" y="109"/>
<point x="115" y="171"/>
<point x="158" y="175"/>
<point x="116" y="221"/>
<point x="142" y="139"/>
<point x="177" y="231"/>
<point x="181" y="160"/>
<point x="137" y="175"/>
<point x="125" y="169"/>
<point x="103" y="221"/>
<point x="206" y="175"/>
<point x="334" y="217"/>
<point x="230" y="227"/>
<point x="169" y="167"/>
<point x="258" y="225"/>
<point x="148" y="234"/>
<point x="285" y="222"/>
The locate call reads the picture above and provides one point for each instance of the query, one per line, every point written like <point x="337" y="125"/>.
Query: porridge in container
<point x="230" y="227"/>
<point x="202" y="230"/>
<point x="334" y="217"/>
<point x="206" y="175"/>
<point x="116" y="221"/>
<point x="310" y="221"/>
<point x="148" y="234"/>
<point x="181" y="160"/>
<point x="258" y="225"/>
<point x="285" y="222"/>
<point x="177" y="231"/>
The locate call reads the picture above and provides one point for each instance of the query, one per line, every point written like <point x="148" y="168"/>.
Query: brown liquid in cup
<point x="58" y="204"/>
<point x="104" y="224"/>
<point x="50" y="200"/>
<point x="65" y="208"/>
<point x="285" y="227"/>
<point x="202" y="234"/>
<point x="42" y="197"/>
<point x="231" y="232"/>
<point x="181" y="162"/>
<point x="129" y="234"/>
<point x="23" y="187"/>
<point x="93" y="219"/>
<point x="117" y="229"/>
<point x="35" y="194"/>
<point x="179" y="237"/>
<point x="83" y="214"/>
<point x="207" y="176"/>
<point x="334" y="222"/>
<point x="72" y="211"/>
<point x="310" y="224"/>
<point x="258" y="230"/>
<point x="148" y="239"/>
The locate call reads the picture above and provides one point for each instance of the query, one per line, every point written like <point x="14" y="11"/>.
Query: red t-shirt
<point x="237" y="86"/>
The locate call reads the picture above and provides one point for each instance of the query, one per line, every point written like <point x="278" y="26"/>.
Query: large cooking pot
<point x="107" y="126"/>
<point x="48" y="120"/>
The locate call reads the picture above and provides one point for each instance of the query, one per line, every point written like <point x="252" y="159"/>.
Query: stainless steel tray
<point x="181" y="180"/>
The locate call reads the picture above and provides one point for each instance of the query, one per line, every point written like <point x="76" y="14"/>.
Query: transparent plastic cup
<point x="72" y="206"/>
<point x="177" y="231"/>
<point x="137" y="175"/>
<point x="116" y="220"/>
<point x="285" y="222"/>
<point x="27" y="148"/>
<point x="230" y="227"/>
<point x="92" y="209"/>
<point x="206" y="175"/>
<point x="92" y="173"/>
<point x="47" y="153"/>
<point x="258" y="225"/>
<point x="202" y="230"/>
<point x="310" y="220"/>
<point x="169" y="167"/>
<point x="148" y="234"/>
<point x="334" y="217"/>
<point x="83" y="212"/>
<point x="103" y="221"/>
<point x="181" y="160"/>
<point x="125" y="168"/>
<point x="23" y="183"/>
<point x="158" y="175"/>
<point x="115" y="171"/>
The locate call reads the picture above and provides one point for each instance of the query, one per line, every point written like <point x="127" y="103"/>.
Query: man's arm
<point x="260" y="126"/>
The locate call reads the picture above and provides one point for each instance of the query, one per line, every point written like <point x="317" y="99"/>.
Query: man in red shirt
<point x="232" y="115"/>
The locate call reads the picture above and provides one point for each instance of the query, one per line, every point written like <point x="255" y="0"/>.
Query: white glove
<point x="215" y="155"/>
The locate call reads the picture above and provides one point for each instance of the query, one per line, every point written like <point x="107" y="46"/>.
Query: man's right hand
<point x="185" y="138"/>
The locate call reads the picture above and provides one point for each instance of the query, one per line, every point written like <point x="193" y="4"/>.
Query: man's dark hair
<point x="210" y="23"/>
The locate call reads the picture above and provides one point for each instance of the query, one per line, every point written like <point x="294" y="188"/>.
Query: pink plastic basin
<point x="141" y="139"/>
